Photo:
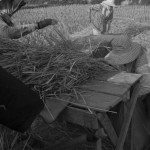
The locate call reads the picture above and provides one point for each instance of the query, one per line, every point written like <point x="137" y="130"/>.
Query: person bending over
<point x="103" y="17"/>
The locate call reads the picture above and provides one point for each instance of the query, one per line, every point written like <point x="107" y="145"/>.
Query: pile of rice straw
<point x="136" y="29"/>
<point x="50" y="70"/>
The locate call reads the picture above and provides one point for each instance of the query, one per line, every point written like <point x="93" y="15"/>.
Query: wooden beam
<point x="107" y="87"/>
<point x="107" y="125"/>
<point x="127" y="120"/>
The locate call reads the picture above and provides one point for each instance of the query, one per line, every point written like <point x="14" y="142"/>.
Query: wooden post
<point x="100" y="133"/>
<point x="107" y="125"/>
<point x="127" y="120"/>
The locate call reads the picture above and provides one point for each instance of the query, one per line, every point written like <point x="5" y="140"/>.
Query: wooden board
<point x="96" y="100"/>
<point x="128" y="117"/>
<point x="118" y="77"/>
<point x="103" y="76"/>
<point x="107" y="87"/>
<point x="124" y="78"/>
<point x="106" y="123"/>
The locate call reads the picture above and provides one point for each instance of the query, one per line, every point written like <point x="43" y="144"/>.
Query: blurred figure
<point x="103" y="17"/>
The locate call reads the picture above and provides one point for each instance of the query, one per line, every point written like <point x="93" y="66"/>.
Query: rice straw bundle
<point x="50" y="70"/>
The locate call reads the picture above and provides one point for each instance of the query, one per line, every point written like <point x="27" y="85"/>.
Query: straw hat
<point x="123" y="51"/>
<point x="109" y="3"/>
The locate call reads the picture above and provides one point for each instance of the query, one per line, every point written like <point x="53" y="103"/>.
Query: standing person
<point x="103" y="17"/>
<point x="19" y="105"/>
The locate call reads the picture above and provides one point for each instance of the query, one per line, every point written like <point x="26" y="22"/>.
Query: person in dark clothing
<point x="19" y="105"/>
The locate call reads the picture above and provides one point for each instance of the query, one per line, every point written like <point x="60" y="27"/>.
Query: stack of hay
<point x="50" y="70"/>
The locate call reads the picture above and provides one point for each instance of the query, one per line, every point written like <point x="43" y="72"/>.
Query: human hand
<point x="46" y="22"/>
<point x="54" y="21"/>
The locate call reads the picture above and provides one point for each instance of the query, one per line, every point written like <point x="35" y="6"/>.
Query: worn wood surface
<point x="118" y="77"/>
<point x="105" y="95"/>
<point x="124" y="78"/>
<point x="100" y="95"/>
<point x="105" y="75"/>
<point x="127" y="120"/>
<point x="107" y="87"/>
<point x="96" y="100"/>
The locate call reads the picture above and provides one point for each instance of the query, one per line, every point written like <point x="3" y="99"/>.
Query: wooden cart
<point x="99" y="98"/>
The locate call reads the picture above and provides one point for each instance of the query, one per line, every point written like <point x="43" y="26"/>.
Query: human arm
<point x="8" y="8"/>
<point x="107" y="11"/>
<point x="18" y="31"/>
<point x="13" y="31"/>
<point x="104" y="9"/>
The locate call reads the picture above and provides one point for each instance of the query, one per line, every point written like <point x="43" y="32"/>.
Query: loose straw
<point x="83" y="105"/>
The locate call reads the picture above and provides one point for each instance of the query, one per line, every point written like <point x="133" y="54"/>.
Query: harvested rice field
<point x="134" y="20"/>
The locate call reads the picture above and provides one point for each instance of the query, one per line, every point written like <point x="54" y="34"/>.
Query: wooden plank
<point x="80" y="117"/>
<point x="55" y="107"/>
<point x="107" y="87"/>
<point x="124" y="78"/>
<point x="107" y="125"/>
<point x="96" y="101"/>
<point x="127" y="120"/>
<point x="118" y="77"/>
<point x="103" y="76"/>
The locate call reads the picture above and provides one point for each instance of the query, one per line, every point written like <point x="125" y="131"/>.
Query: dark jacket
<point x="19" y="105"/>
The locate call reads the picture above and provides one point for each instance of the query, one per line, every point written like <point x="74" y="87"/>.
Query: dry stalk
<point x="65" y="41"/>
<point x="83" y="105"/>
<point x="86" y="103"/>
<point x="25" y="145"/>
<point x="51" y="115"/>
<point x="14" y="140"/>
